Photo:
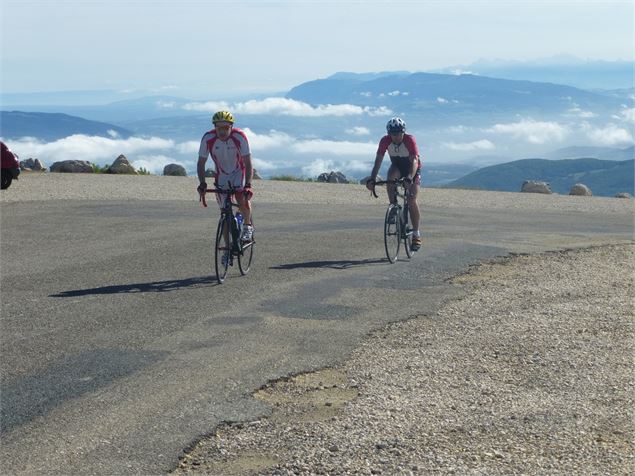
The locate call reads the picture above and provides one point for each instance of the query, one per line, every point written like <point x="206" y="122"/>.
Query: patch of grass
<point x="98" y="169"/>
<point x="290" y="178"/>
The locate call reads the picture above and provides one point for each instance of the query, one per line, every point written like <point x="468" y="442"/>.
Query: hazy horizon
<point x="219" y="48"/>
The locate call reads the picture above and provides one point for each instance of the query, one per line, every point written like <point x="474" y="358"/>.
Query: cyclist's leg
<point x="237" y="179"/>
<point x="222" y="181"/>
<point x="415" y="214"/>
<point x="413" y="206"/>
<point x="391" y="189"/>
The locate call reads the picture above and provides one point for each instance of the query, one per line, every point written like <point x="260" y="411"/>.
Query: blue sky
<point x="234" y="47"/>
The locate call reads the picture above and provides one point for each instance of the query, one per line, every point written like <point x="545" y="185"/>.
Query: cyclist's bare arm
<point x="413" y="165"/>
<point x="378" y="160"/>
<point x="200" y="168"/>
<point x="249" y="170"/>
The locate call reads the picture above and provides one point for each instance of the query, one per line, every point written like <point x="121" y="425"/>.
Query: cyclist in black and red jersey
<point x="405" y="163"/>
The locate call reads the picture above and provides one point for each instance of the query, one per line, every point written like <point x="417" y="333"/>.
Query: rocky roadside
<point x="530" y="372"/>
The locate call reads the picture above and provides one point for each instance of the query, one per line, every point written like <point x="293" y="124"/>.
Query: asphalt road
<point x="118" y="348"/>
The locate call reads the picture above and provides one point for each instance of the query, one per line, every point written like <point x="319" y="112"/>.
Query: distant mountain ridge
<point x="439" y="96"/>
<point x="605" y="153"/>
<point x="603" y="177"/>
<point x="561" y="69"/>
<point x="53" y="126"/>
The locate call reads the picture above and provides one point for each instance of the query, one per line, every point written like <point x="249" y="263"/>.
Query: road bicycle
<point x="228" y="246"/>
<point x="396" y="226"/>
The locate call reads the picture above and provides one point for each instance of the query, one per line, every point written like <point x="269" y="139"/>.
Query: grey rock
<point x="121" y="165"/>
<point x="73" y="167"/>
<point x="174" y="169"/>
<point x="32" y="164"/>
<point x="580" y="189"/>
<point x="367" y="178"/>
<point x="210" y="173"/>
<point x="332" y="177"/>
<point x="533" y="186"/>
<point x="623" y="195"/>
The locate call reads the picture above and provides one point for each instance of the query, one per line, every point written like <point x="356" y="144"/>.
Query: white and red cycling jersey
<point x="228" y="156"/>
<point x="407" y="147"/>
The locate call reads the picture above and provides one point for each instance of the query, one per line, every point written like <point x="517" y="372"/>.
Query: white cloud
<point x="321" y="146"/>
<point x="627" y="115"/>
<point x="267" y="141"/>
<point x="482" y="144"/>
<point x="261" y="164"/>
<point x="287" y="107"/>
<point x="91" y="148"/>
<point x="189" y="147"/>
<point x="458" y="129"/>
<point x="209" y="106"/>
<point x="611" y="135"/>
<point x="166" y="104"/>
<point x="378" y="111"/>
<point x="319" y="166"/>
<point x="162" y="89"/>
<point x="578" y="112"/>
<point x="358" y="131"/>
<point x="535" y="132"/>
<point x="459" y="72"/>
<point x="154" y="163"/>
<point x="441" y="100"/>
<point x="366" y="94"/>
<point x="112" y="133"/>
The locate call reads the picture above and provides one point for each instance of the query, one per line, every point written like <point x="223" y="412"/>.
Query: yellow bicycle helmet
<point x="223" y="116"/>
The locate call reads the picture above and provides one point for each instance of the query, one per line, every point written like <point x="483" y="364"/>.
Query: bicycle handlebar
<point x="399" y="181"/>
<point x="201" y="197"/>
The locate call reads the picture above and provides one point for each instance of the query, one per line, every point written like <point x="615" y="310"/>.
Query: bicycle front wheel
<point x="392" y="233"/>
<point x="222" y="252"/>
<point x="245" y="257"/>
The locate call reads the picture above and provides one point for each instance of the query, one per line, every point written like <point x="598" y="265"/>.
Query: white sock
<point x="416" y="233"/>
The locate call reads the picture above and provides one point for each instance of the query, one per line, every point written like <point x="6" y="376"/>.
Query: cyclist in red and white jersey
<point x="230" y="152"/>
<point x="405" y="163"/>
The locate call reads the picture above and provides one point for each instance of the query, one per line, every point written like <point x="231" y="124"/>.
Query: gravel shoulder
<point x="530" y="372"/>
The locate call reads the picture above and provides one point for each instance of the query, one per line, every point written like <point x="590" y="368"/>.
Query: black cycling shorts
<point x="403" y="165"/>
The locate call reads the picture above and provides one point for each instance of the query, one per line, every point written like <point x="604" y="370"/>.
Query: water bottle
<point x="239" y="219"/>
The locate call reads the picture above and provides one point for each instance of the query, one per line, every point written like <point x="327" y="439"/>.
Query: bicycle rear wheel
<point x="392" y="232"/>
<point x="222" y="251"/>
<point x="244" y="259"/>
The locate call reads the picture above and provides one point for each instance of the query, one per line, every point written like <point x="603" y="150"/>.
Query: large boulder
<point x="257" y="175"/>
<point x="73" y="167"/>
<point x="332" y="177"/>
<point x="580" y="189"/>
<point x="174" y="169"/>
<point x="366" y="179"/>
<point x="210" y="173"/>
<point x="121" y="165"/>
<point x="533" y="186"/>
<point x="623" y="195"/>
<point x="33" y="165"/>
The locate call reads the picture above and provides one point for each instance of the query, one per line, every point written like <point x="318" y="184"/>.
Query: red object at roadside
<point x="10" y="166"/>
